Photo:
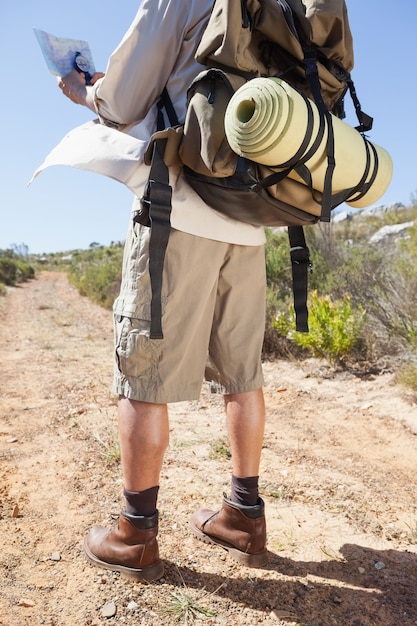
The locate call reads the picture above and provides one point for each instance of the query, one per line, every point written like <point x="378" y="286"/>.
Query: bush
<point x="278" y="265"/>
<point x="335" y="327"/>
<point x="15" y="270"/>
<point x="8" y="271"/>
<point x="278" y="294"/>
<point x="379" y="278"/>
<point x="96" y="273"/>
<point x="407" y="375"/>
<point x="24" y="271"/>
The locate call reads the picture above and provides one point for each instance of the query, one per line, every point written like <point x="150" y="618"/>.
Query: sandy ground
<point x="338" y="478"/>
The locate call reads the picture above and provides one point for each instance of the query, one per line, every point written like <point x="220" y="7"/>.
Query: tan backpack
<point x="271" y="38"/>
<point x="307" y="44"/>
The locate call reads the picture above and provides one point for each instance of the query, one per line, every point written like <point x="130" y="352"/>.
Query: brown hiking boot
<point x="241" y="530"/>
<point x="130" y="548"/>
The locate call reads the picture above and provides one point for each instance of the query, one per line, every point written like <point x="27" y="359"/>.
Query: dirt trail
<point x="338" y="479"/>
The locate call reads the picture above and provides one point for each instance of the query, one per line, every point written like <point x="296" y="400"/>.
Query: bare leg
<point x="246" y="425"/>
<point x="131" y="547"/>
<point x="240" y="529"/>
<point x="144" y="436"/>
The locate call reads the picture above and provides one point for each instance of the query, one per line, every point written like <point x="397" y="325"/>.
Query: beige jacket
<point x="157" y="50"/>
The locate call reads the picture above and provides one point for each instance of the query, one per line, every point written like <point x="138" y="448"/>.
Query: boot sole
<point x="145" y="574"/>
<point x="250" y="560"/>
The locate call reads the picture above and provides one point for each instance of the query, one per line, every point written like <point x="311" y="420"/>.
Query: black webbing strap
<point x="326" y="202"/>
<point x="299" y="252"/>
<point x="300" y="265"/>
<point x="312" y="75"/>
<point x="165" y="102"/>
<point x="160" y="212"/>
<point x="365" y="121"/>
<point x="302" y="155"/>
<point x="364" y="185"/>
<point x="157" y="199"/>
<point x="155" y="212"/>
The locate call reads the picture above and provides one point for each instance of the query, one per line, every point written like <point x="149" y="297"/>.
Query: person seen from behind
<point x="213" y="307"/>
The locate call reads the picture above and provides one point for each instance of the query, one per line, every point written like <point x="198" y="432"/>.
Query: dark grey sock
<point x="245" y="490"/>
<point x="141" y="502"/>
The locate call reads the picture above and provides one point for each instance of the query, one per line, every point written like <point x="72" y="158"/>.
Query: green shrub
<point x="335" y="327"/>
<point x="407" y="375"/>
<point x="96" y="273"/>
<point x="24" y="271"/>
<point x="278" y="265"/>
<point x="15" y="270"/>
<point x="8" y="271"/>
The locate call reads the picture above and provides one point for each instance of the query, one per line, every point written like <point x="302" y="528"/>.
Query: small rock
<point x="379" y="565"/>
<point x="55" y="556"/>
<point x="12" y="440"/>
<point x="361" y="570"/>
<point x="15" y="512"/>
<point x="26" y="602"/>
<point x="337" y="600"/>
<point x="109" y="609"/>
<point x="132" y="606"/>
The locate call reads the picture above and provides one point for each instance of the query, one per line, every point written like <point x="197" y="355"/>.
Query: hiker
<point x="213" y="305"/>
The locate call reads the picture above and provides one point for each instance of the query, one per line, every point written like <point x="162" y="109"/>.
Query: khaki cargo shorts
<point x="213" y="319"/>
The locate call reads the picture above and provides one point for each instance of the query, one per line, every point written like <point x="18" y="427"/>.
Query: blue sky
<point x="66" y="208"/>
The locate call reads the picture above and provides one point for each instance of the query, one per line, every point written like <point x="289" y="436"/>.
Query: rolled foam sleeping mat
<point x="267" y="121"/>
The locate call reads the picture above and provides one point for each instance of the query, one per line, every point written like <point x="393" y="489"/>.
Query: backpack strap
<point x="299" y="253"/>
<point x="365" y="120"/>
<point x="300" y="265"/>
<point x="166" y="103"/>
<point x="312" y="75"/>
<point x="155" y="212"/>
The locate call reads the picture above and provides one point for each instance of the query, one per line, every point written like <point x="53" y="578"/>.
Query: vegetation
<point x="220" y="449"/>
<point x="14" y="269"/>
<point x="407" y="375"/>
<point x="334" y="327"/>
<point x="96" y="273"/>
<point x="186" y="606"/>
<point x="362" y="295"/>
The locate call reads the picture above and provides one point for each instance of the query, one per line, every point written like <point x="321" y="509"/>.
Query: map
<point x="60" y="52"/>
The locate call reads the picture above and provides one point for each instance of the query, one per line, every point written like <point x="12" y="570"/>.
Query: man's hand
<point x="73" y="86"/>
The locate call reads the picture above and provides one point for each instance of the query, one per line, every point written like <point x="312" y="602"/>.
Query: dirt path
<point x="338" y="478"/>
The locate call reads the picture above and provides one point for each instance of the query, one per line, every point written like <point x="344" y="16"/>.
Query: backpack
<point x="309" y="45"/>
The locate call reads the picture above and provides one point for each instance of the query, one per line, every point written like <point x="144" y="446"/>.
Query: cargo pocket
<point x="136" y="355"/>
